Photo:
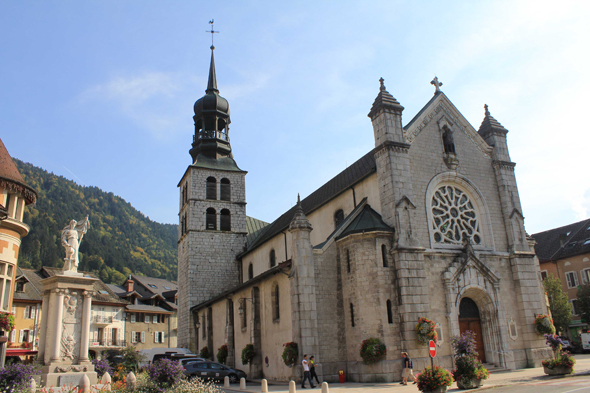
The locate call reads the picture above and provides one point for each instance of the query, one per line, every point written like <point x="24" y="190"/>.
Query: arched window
<point x="225" y="190"/>
<point x="351" y="314"/>
<point x="211" y="188"/>
<point x="211" y="219"/>
<point x="389" y="312"/>
<point x="243" y="313"/>
<point x="338" y="217"/>
<point x="347" y="261"/>
<point x="384" y="255"/>
<point x="273" y="258"/>
<point x="250" y="272"/>
<point x="275" y="302"/>
<point x="454" y="216"/>
<point x="225" y="220"/>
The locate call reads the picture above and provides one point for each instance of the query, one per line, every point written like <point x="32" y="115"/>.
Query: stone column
<point x="58" y="295"/>
<point x="86" y="315"/>
<point x="43" y="330"/>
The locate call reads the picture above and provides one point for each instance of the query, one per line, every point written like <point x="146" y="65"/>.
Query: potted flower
<point x="434" y="380"/>
<point x="469" y="372"/>
<point x="425" y="331"/>
<point x="290" y="354"/>
<point x="372" y="350"/>
<point x="544" y="325"/>
<point x="248" y="354"/>
<point x="562" y="362"/>
<point x="6" y="321"/>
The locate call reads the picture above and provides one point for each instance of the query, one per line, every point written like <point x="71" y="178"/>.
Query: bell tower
<point x="212" y="212"/>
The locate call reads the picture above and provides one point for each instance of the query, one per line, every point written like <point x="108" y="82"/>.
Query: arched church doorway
<point x="469" y="320"/>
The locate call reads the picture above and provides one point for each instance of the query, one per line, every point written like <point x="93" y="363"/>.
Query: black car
<point x="213" y="371"/>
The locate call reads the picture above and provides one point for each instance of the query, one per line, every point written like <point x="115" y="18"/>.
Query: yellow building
<point x="14" y="195"/>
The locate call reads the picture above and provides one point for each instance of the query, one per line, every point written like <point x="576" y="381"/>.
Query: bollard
<point x="292" y="388"/>
<point x="242" y="383"/>
<point x="264" y="386"/>
<point x="131" y="381"/>
<point x="84" y="384"/>
<point x="33" y="385"/>
<point x="325" y="387"/>
<point x="106" y="381"/>
<point x="226" y="382"/>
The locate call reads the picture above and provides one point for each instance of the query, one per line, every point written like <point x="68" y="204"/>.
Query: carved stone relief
<point x="72" y="316"/>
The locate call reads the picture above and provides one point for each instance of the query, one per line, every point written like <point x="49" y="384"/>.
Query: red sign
<point x="432" y="348"/>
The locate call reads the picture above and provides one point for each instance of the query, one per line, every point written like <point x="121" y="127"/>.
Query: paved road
<point x="566" y="385"/>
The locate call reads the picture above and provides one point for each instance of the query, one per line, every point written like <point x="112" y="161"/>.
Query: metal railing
<point x="107" y="343"/>
<point x="102" y="319"/>
<point x="211" y="134"/>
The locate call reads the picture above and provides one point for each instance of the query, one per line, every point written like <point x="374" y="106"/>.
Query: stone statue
<point x="71" y="236"/>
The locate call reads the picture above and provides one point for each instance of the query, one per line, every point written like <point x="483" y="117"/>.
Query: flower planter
<point x="470" y="384"/>
<point x="558" y="370"/>
<point x="442" y="389"/>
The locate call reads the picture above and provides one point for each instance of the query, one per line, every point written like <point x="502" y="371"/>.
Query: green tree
<point x="584" y="302"/>
<point x="561" y="308"/>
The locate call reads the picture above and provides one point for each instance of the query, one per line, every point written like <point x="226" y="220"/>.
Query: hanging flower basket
<point x="372" y="350"/>
<point x="290" y="353"/>
<point x="544" y="325"/>
<point x="425" y="331"/>
<point x="6" y="321"/>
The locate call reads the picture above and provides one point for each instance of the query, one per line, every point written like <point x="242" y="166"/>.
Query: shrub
<point x="16" y="377"/>
<point x="222" y="353"/>
<point x="372" y="350"/>
<point x="205" y="353"/>
<point x="248" y="354"/>
<point x="290" y="353"/>
<point x="102" y="366"/>
<point x="165" y="373"/>
<point x="425" y="331"/>
<point x="431" y="379"/>
<point x="544" y="324"/>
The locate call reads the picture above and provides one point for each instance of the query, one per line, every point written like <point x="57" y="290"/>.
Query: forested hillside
<point x="121" y="240"/>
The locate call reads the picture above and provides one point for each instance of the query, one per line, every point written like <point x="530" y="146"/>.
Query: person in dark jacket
<point x="407" y="371"/>
<point x="312" y="366"/>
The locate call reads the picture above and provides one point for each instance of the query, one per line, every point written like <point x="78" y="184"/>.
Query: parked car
<point x="213" y="371"/>
<point x="150" y="353"/>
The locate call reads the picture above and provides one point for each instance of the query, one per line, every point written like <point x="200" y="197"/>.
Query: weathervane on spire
<point x="436" y="84"/>
<point x="212" y="31"/>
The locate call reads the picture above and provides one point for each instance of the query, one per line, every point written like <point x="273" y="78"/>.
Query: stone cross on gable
<point x="436" y="84"/>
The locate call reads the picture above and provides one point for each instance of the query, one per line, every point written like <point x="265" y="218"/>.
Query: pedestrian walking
<point x="312" y="366"/>
<point x="407" y="371"/>
<point x="306" y="373"/>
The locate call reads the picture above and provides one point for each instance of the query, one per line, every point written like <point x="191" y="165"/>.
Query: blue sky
<point x="101" y="92"/>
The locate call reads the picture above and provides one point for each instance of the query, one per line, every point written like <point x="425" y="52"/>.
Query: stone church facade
<point x="427" y="224"/>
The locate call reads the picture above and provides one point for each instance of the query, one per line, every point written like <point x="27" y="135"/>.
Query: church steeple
<point x="211" y="146"/>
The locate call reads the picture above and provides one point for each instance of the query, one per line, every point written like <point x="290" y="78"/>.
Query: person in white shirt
<point x="306" y="374"/>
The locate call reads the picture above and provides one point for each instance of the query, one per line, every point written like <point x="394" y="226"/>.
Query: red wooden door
<point x="474" y="324"/>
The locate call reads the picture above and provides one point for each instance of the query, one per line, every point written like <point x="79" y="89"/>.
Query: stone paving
<point x="496" y="379"/>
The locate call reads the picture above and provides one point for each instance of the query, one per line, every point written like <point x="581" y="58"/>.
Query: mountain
<point x="120" y="241"/>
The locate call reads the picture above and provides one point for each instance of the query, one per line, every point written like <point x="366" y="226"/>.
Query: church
<point x="427" y="224"/>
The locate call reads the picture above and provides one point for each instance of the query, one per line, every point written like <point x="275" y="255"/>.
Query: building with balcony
<point x="15" y="194"/>
<point x="564" y="252"/>
<point x="151" y="320"/>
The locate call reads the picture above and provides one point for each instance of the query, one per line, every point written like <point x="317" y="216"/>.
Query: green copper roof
<point x="222" y="163"/>
<point x="368" y="220"/>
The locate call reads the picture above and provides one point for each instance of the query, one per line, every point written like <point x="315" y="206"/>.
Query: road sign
<point x="432" y="348"/>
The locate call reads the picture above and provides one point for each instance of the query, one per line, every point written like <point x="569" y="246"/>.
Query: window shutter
<point x="27" y="310"/>
<point x="163" y="337"/>
<point x="30" y="336"/>
<point x="133" y="337"/>
<point x="142" y="337"/>
<point x="33" y="310"/>
<point x="576" y="279"/>
<point x="155" y="334"/>
<point x="13" y="335"/>
<point x="133" y="317"/>
<point x="20" y="336"/>
<point x="14" y="310"/>
<point x="147" y="319"/>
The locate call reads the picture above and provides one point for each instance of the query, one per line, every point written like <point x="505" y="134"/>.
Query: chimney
<point x="129" y="284"/>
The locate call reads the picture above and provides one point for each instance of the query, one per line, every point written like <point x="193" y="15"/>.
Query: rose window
<point x="454" y="219"/>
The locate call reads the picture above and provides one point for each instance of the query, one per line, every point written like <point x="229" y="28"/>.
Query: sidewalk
<point x="496" y="379"/>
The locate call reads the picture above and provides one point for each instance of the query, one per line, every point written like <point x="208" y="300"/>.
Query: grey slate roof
<point x="102" y="293"/>
<point x="254" y="228"/>
<point x="573" y="236"/>
<point x="368" y="220"/>
<point x="155" y="285"/>
<point x="353" y="174"/>
<point x="147" y="308"/>
<point x="33" y="288"/>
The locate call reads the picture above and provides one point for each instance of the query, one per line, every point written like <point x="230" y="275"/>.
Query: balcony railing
<point x="211" y="134"/>
<point x="107" y="343"/>
<point x="100" y="319"/>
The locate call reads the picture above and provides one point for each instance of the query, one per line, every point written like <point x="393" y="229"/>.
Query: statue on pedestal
<point x="71" y="236"/>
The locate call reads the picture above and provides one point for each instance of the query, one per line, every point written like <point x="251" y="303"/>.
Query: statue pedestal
<point x="65" y="330"/>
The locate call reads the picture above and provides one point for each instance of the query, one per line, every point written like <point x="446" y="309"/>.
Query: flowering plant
<point x="560" y="358"/>
<point x="290" y="353"/>
<point x="16" y="377"/>
<point x="165" y="373"/>
<point x="372" y="350"/>
<point x="434" y="378"/>
<point x="6" y="321"/>
<point x="205" y="353"/>
<point x="467" y="367"/>
<point x="544" y="324"/>
<point x="425" y="331"/>
<point x="102" y="366"/>
<point x="248" y="354"/>
<point x="222" y="352"/>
